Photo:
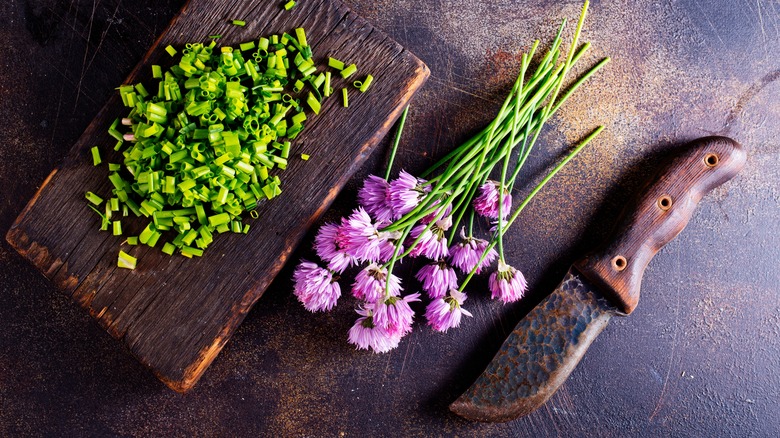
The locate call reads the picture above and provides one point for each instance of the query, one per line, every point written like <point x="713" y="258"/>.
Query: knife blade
<point x="546" y="345"/>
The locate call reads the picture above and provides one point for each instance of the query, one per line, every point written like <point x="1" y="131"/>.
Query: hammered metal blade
<point x="539" y="354"/>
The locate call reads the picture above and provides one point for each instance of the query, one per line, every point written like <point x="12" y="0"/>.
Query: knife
<point x="547" y="344"/>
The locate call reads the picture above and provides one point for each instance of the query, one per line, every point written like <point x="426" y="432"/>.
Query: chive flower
<point x="437" y="278"/>
<point x="327" y="248"/>
<point x="365" y="334"/>
<point x="432" y="243"/>
<point x="466" y="254"/>
<point x="446" y="313"/>
<point x="486" y="204"/>
<point x="507" y="283"/>
<point x="315" y="287"/>
<point x="359" y="236"/>
<point x="374" y="196"/>
<point x="406" y="192"/>
<point x="394" y="314"/>
<point x="371" y="284"/>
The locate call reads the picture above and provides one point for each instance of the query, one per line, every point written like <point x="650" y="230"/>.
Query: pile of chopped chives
<point x="201" y="152"/>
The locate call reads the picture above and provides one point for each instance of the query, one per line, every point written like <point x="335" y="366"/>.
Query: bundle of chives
<point x="513" y="133"/>
<point x="411" y="217"/>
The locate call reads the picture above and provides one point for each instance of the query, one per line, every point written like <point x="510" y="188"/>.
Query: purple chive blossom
<point x="315" y="287"/>
<point x="328" y="249"/>
<point x="432" y="243"/>
<point x="375" y="198"/>
<point x="359" y="237"/>
<point x="405" y="193"/>
<point x="394" y="314"/>
<point x="428" y="219"/>
<point x="486" y="204"/>
<point x="445" y="313"/>
<point x="465" y="254"/>
<point x="437" y="278"/>
<point x="365" y="334"/>
<point x="370" y="284"/>
<point x="507" y="283"/>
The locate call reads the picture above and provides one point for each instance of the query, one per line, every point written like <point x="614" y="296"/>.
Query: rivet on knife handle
<point x="546" y="345"/>
<point x="660" y="214"/>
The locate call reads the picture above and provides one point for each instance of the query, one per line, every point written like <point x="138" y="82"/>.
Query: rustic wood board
<point x="175" y="314"/>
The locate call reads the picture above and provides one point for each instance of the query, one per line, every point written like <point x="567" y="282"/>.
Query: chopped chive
<point x="168" y="248"/>
<point x="301" y="34"/>
<point x="198" y="148"/>
<point x="345" y="97"/>
<point x="93" y="198"/>
<point x="313" y="103"/>
<point x="219" y="219"/>
<point x="366" y="83"/>
<point x="240" y="23"/>
<point x="126" y="261"/>
<point x="348" y="71"/>
<point x="289" y="5"/>
<point x="319" y="80"/>
<point x="215" y="37"/>
<point x="95" y="155"/>
<point x="117" y="228"/>
<point x="335" y="63"/>
<point x="326" y="91"/>
<point x="305" y="157"/>
<point x="188" y="251"/>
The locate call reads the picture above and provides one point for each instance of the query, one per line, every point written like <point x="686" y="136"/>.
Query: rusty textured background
<point x="699" y="357"/>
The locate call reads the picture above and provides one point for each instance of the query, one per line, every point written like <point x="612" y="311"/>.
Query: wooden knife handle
<point x="659" y="214"/>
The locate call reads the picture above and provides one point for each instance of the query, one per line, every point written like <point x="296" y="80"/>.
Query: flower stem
<point x="530" y="196"/>
<point x="396" y="141"/>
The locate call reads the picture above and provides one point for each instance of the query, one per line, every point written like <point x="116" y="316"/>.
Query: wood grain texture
<point x="176" y="314"/>
<point x="658" y="215"/>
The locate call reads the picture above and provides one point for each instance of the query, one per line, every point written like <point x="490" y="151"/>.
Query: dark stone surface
<point x="699" y="357"/>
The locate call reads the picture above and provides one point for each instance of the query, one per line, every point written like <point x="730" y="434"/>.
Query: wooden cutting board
<point x="175" y="314"/>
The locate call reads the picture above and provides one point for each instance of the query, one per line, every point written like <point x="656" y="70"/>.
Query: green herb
<point x="204" y="147"/>
<point x="348" y="71"/>
<point x="240" y="23"/>
<point x="95" y="155"/>
<point x="509" y="138"/>
<point x="93" y="198"/>
<point x="126" y="261"/>
<point x="366" y="83"/>
<point x="326" y="90"/>
<point x="335" y="63"/>
<point x="289" y="5"/>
